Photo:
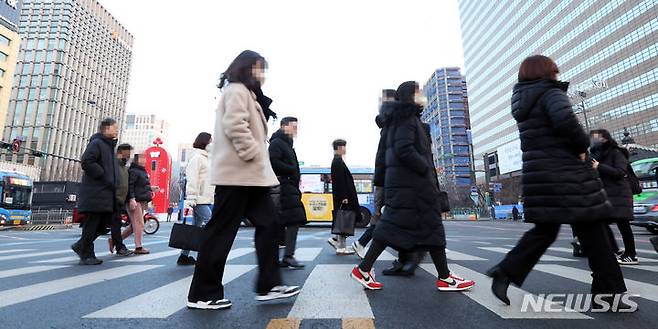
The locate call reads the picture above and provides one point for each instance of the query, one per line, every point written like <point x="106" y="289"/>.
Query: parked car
<point x="645" y="209"/>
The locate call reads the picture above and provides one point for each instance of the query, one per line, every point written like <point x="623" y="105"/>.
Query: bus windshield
<point x="16" y="197"/>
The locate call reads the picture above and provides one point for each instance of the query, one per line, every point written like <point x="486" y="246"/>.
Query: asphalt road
<point x="42" y="287"/>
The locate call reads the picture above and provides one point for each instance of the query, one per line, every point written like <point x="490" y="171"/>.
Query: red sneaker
<point x="454" y="283"/>
<point x="366" y="279"/>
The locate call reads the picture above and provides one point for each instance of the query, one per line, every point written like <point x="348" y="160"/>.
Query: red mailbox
<point x="158" y="166"/>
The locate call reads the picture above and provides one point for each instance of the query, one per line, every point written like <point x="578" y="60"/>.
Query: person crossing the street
<point x="411" y="220"/>
<point x="140" y="193"/>
<point x="240" y="169"/>
<point x="97" y="189"/>
<point x="344" y="195"/>
<point x="116" y="240"/>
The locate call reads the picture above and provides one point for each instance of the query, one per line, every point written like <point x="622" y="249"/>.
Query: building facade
<point x="140" y="130"/>
<point x="608" y="50"/>
<point x="73" y="71"/>
<point x="9" y="45"/>
<point x="447" y="115"/>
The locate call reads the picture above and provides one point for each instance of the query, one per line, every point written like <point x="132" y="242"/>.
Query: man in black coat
<point x="97" y="189"/>
<point x="343" y="192"/>
<point x="289" y="198"/>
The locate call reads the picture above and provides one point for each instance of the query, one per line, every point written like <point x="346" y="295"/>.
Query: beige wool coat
<point x="239" y="151"/>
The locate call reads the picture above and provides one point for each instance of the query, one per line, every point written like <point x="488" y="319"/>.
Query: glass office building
<point x="73" y="71"/>
<point x="606" y="49"/>
<point x="447" y="114"/>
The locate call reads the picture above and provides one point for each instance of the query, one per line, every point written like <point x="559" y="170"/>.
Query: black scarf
<point x="264" y="102"/>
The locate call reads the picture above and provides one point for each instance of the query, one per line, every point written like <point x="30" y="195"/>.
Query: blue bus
<point x="16" y="192"/>
<point x="317" y="199"/>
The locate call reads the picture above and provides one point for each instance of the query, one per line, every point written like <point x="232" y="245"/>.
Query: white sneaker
<point x="333" y="242"/>
<point x="210" y="305"/>
<point x="359" y="250"/>
<point x="344" y="251"/>
<point x="279" y="292"/>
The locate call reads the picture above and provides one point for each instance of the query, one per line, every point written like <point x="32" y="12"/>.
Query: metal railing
<point x="51" y="216"/>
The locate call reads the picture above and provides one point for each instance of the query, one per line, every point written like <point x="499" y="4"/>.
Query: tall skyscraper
<point x="73" y="70"/>
<point x="447" y="114"/>
<point x="608" y="50"/>
<point x="140" y="130"/>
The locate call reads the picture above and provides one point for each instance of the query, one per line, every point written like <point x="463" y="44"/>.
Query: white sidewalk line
<point x="29" y="270"/>
<point x="331" y="283"/>
<point x="31" y="292"/>
<point x="546" y="258"/>
<point x="454" y="255"/>
<point x="569" y="250"/>
<point x="11" y="251"/>
<point x="162" y="302"/>
<point x="481" y="294"/>
<point x="99" y="255"/>
<point x="307" y="254"/>
<point x="645" y="290"/>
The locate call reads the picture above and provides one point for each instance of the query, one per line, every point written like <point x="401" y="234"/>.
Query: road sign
<point x="474" y="190"/>
<point x="16" y="145"/>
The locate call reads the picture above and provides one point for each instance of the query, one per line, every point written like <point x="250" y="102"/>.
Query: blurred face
<point x="419" y="98"/>
<point x="342" y="150"/>
<point x="125" y="154"/>
<point x="141" y="160"/>
<point x="111" y="131"/>
<point x="291" y="129"/>
<point x="258" y="72"/>
<point x="598" y="138"/>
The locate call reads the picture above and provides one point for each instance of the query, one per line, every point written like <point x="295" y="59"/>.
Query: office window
<point x="3" y="57"/>
<point x="2" y="73"/>
<point x="4" y="40"/>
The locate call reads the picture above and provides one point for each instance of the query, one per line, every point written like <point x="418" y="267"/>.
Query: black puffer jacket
<point x="613" y="164"/>
<point x="286" y="167"/>
<point x="557" y="186"/>
<point x="385" y="111"/>
<point x="412" y="214"/>
<point x="139" y="185"/>
<point x="100" y="174"/>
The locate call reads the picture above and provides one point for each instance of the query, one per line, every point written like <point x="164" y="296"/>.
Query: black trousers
<point x="115" y="228"/>
<point x="232" y="204"/>
<point x="93" y="226"/>
<point x="366" y="237"/>
<point x="606" y="276"/>
<point x="627" y="235"/>
<point x="377" y="248"/>
<point x="291" y="240"/>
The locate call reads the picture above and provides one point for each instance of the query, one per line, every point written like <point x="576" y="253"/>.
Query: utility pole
<point x="583" y="95"/>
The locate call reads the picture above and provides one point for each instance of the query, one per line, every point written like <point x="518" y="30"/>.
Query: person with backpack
<point x="611" y="161"/>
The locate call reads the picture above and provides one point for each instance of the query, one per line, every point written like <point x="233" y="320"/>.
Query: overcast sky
<point x="328" y="61"/>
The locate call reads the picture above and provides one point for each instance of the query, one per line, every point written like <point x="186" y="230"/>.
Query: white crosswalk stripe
<point x="11" y="251"/>
<point x="331" y="283"/>
<point x="162" y="302"/>
<point x="149" y="257"/>
<point x="29" y="270"/>
<point x="547" y="258"/>
<point x="31" y="292"/>
<point x="454" y="255"/>
<point x="483" y="296"/>
<point x="101" y="255"/>
<point x="35" y="254"/>
<point x="645" y="290"/>
<point x="569" y="250"/>
<point x="307" y="254"/>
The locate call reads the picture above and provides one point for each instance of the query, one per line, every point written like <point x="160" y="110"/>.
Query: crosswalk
<point x="325" y="279"/>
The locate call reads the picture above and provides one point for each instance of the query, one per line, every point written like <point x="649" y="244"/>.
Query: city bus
<point x="315" y="185"/>
<point x="16" y="192"/>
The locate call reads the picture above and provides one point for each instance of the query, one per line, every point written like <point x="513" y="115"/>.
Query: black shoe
<point x="76" y="249"/>
<point x="185" y="260"/>
<point x="279" y="292"/>
<point x="499" y="284"/>
<point x="395" y="268"/>
<point x="409" y="268"/>
<point x="292" y="263"/>
<point x="90" y="261"/>
<point x="577" y="249"/>
<point x="123" y="252"/>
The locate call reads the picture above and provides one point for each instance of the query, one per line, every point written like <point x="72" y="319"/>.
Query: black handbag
<point x="344" y="222"/>
<point x="444" y="201"/>
<point x="186" y="237"/>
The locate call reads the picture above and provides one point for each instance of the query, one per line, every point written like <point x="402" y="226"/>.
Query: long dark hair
<point x="406" y="92"/>
<point x="605" y="134"/>
<point x="202" y="140"/>
<point x="240" y="70"/>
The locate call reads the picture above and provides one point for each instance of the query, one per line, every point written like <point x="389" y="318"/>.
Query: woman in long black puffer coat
<point x="611" y="161"/>
<point x="559" y="184"/>
<point x="411" y="220"/>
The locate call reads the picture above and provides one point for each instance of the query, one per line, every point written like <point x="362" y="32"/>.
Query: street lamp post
<point x="583" y="95"/>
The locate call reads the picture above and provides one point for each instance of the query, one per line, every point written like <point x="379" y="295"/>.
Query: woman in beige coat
<point x="242" y="175"/>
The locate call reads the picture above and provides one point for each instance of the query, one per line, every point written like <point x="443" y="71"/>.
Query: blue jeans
<point x="201" y="213"/>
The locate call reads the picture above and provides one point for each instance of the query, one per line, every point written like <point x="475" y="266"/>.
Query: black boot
<point x="499" y="284"/>
<point x="76" y="249"/>
<point x="395" y="269"/>
<point x="185" y="260"/>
